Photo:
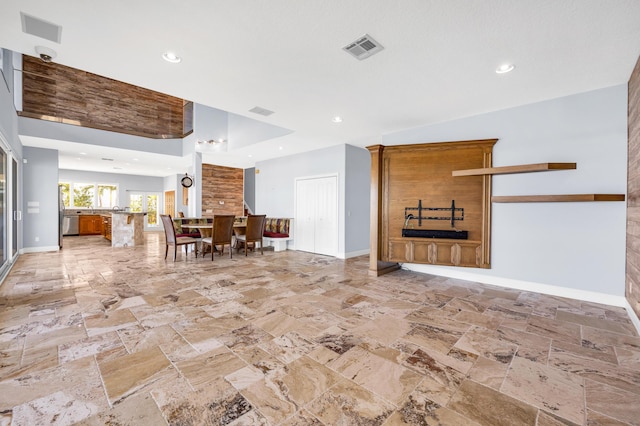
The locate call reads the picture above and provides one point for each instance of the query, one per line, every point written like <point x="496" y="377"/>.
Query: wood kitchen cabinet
<point x="106" y="227"/>
<point x="90" y="224"/>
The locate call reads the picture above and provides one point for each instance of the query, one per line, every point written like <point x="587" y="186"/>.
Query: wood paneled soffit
<point x="67" y="95"/>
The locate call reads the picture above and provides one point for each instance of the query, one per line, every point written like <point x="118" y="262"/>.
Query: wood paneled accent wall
<point x="222" y="184"/>
<point x="632" y="291"/>
<point x="59" y="93"/>
<point x="402" y="175"/>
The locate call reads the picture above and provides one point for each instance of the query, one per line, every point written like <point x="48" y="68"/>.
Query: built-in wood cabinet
<point x="106" y="226"/>
<point x="413" y="189"/>
<point x="90" y="224"/>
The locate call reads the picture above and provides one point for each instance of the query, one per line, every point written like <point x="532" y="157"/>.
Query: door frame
<point x="337" y="212"/>
<point x="144" y="195"/>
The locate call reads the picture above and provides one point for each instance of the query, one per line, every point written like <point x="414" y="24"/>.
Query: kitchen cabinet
<point x="106" y="226"/>
<point x="90" y="224"/>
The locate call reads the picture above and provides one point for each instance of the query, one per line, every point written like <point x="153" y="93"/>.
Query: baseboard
<point x="39" y="249"/>
<point x="351" y="254"/>
<point x="570" y="293"/>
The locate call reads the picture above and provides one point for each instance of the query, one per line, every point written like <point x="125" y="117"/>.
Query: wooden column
<point x="632" y="288"/>
<point x="376" y="266"/>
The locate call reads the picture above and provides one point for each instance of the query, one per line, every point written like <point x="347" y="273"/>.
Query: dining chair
<point x="172" y="240"/>
<point x="222" y="234"/>
<point x="255" y="229"/>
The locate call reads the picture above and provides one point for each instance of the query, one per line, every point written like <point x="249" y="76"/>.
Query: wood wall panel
<point x="403" y="175"/>
<point x="632" y="288"/>
<point x="224" y="184"/>
<point x="58" y="93"/>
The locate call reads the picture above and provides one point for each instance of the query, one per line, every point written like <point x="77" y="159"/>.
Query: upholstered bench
<point x="277" y="232"/>
<point x="186" y="232"/>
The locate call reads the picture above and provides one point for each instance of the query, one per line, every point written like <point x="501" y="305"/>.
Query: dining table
<point x="206" y="230"/>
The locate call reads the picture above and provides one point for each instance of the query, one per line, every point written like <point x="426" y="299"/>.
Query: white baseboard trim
<point x="39" y="249"/>
<point x="351" y="254"/>
<point x="571" y="293"/>
<point x="552" y="290"/>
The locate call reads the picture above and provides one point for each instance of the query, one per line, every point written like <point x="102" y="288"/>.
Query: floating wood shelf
<point x="523" y="168"/>
<point x="556" y="198"/>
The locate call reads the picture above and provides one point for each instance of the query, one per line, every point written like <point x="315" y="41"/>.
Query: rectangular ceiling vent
<point x="40" y="28"/>
<point x="261" y="111"/>
<point x="364" y="47"/>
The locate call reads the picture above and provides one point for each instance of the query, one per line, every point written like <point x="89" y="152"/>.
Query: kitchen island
<point x="124" y="229"/>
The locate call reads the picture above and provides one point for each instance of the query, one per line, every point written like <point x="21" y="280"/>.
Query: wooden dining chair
<point x="172" y="240"/>
<point x="222" y="234"/>
<point x="255" y="229"/>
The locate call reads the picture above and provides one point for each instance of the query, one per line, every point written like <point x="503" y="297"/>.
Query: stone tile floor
<point x="98" y="335"/>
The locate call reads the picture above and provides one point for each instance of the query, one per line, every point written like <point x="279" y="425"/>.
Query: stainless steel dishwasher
<point x="70" y="225"/>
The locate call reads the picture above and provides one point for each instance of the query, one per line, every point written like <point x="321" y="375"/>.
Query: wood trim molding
<point x="524" y="168"/>
<point x="556" y="198"/>
<point x="376" y="266"/>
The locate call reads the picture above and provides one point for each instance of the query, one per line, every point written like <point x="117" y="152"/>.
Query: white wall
<point x="275" y="190"/>
<point x="250" y="187"/>
<point x="67" y="132"/>
<point x="357" y="200"/>
<point x="577" y="246"/>
<point x="40" y="205"/>
<point x="275" y="183"/>
<point x="244" y="131"/>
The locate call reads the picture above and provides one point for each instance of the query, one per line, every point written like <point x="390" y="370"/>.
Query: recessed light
<point x="171" y="57"/>
<point x="83" y="153"/>
<point x="250" y="155"/>
<point x="337" y="119"/>
<point x="280" y="148"/>
<point x="505" y="68"/>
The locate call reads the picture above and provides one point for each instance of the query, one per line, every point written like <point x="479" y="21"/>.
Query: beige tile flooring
<point x="99" y="335"/>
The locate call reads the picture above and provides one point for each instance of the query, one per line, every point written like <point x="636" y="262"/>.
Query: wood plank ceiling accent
<point x="222" y="185"/>
<point x="63" y="94"/>
<point x="632" y="288"/>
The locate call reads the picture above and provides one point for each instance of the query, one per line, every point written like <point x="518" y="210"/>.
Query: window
<point x="83" y="194"/>
<point x="89" y="195"/>
<point x="107" y="196"/>
<point x="65" y="190"/>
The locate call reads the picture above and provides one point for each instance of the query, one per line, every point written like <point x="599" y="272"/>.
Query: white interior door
<point x="317" y="215"/>
<point x="305" y="216"/>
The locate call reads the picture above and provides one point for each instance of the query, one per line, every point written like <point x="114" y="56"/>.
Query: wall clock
<point x="186" y="181"/>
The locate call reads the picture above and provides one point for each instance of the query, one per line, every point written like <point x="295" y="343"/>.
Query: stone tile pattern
<point x="99" y="335"/>
<point x="633" y="193"/>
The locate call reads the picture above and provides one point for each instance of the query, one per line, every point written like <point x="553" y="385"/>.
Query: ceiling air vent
<point x="364" y="47"/>
<point x="40" y="28"/>
<point x="261" y="111"/>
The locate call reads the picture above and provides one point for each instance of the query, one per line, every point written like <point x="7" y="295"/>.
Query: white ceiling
<point x="438" y="62"/>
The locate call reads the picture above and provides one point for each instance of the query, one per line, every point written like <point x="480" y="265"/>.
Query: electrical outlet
<point x="37" y="239"/>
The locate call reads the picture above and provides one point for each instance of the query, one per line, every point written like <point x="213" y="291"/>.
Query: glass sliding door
<point x="3" y="209"/>
<point x="147" y="202"/>
<point x="14" y="207"/>
<point x="153" y="212"/>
